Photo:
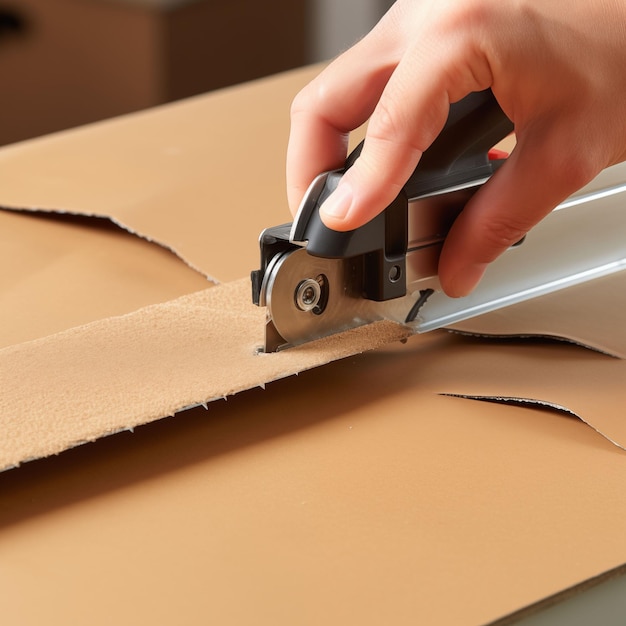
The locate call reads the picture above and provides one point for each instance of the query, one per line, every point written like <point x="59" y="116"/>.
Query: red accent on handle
<point x="496" y="154"/>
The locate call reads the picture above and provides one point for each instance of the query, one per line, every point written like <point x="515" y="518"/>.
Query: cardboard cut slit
<point x="527" y="402"/>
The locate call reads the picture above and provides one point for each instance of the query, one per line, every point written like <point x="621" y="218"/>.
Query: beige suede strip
<point x="120" y="372"/>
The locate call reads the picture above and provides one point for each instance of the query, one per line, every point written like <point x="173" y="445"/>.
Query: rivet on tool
<point x="395" y="273"/>
<point x="308" y="294"/>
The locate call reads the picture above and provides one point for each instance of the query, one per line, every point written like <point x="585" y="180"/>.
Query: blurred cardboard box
<point x="68" y="62"/>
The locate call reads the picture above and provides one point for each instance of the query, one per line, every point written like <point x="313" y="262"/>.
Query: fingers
<point x="339" y="100"/>
<point x="409" y="115"/>
<point x="402" y="76"/>
<point x="540" y="173"/>
<point x="394" y="143"/>
<point x="345" y="95"/>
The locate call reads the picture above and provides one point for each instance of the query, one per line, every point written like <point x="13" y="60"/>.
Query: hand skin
<point x="557" y="69"/>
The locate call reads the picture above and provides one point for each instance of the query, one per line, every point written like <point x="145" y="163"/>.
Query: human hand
<point x="556" y="68"/>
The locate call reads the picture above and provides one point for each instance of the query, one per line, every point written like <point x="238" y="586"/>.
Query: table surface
<point x="353" y="492"/>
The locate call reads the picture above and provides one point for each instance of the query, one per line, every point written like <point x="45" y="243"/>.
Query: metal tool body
<point x="315" y="281"/>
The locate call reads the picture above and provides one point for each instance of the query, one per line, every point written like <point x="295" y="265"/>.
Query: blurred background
<point x="64" y="63"/>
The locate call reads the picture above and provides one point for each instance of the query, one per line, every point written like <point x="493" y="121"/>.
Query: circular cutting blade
<point x="340" y="306"/>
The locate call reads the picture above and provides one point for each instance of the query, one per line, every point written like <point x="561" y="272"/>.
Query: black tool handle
<point x="458" y="157"/>
<point x="459" y="154"/>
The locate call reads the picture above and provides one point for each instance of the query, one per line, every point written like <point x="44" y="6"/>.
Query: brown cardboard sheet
<point x="60" y="271"/>
<point x="537" y="373"/>
<point x="349" y="494"/>
<point x="353" y="493"/>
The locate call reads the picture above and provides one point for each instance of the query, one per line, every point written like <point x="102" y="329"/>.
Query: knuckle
<point x="470" y="14"/>
<point x="479" y="12"/>
<point x="301" y="103"/>
<point x="297" y="105"/>
<point x="390" y="125"/>
<point x="316" y="96"/>
<point x="579" y="171"/>
<point x="383" y="183"/>
<point x="568" y="169"/>
<point x="501" y="233"/>
<point x="385" y="123"/>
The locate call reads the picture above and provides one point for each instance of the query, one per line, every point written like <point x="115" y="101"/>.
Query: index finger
<point x="339" y="100"/>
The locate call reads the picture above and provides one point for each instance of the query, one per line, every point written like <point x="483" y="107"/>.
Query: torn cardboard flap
<point x="59" y="271"/>
<point x="182" y="174"/>
<point x="553" y="375"/>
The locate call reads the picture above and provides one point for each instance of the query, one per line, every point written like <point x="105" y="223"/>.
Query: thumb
<point x="545" y="167"/>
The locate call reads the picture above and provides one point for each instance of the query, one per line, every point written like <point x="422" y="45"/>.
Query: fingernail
<point x="466" y="280"/>
<point x="337" y="205"/>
